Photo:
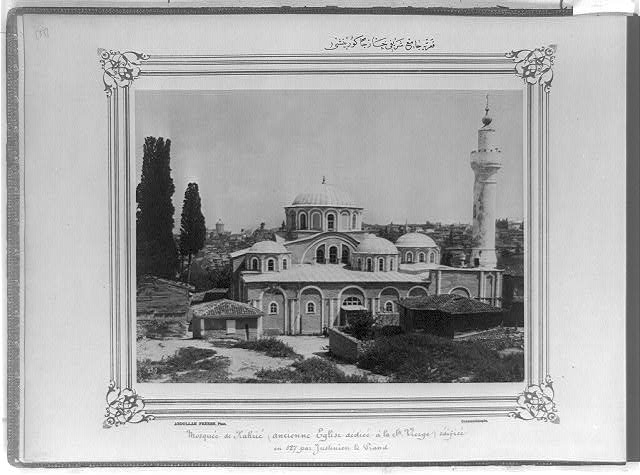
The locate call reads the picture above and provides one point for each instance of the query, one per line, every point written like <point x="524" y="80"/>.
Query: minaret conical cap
<point x="486" y="120"/>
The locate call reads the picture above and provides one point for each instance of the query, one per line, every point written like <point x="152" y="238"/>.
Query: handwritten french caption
<point x="326" y="440"/>
<point x="382" y="43"/>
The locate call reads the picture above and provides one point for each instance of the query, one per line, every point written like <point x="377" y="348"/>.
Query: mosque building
<point x="325" y="264"/>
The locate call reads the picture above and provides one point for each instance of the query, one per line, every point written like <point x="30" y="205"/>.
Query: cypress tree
<point x="156" y="252"/>
<point x="193" y="231"/>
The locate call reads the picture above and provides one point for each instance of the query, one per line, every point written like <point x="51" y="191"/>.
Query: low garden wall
<point x="344" y="346"/>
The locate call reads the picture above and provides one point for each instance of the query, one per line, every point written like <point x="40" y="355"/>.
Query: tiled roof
<point x="224" y="309"/>
<point x="448" y="303"/>
<point x="158" y="280"/>
<point x="331" y="273"/>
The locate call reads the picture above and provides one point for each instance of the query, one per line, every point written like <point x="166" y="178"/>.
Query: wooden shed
<point x="226" y="319"/>
<point x="162" y="299"/>
<point x="445" y="314"/>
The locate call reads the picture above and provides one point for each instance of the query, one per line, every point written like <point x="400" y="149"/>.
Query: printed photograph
<point x="329" y="236"/>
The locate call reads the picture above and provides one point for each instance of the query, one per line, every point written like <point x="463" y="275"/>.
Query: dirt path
<point x="243" y="363"/>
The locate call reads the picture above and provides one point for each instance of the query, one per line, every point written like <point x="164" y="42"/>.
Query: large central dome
<point x="324" y="195"/>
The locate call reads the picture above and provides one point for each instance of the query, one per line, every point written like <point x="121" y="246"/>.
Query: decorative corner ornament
<point x="120" y="69"/>
<point x="124" y="406"/>
<point x="536" y="402"/>
<point x="535" y="66"/>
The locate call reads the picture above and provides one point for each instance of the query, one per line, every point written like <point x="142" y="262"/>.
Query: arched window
<point x="369" y="265"/>
<point x="421" y="257"/>
<point x="344" y="220"/>
<point x="345" y="254"/>
<point x="359" y="264"/>
<point x="331" y="222"/>
<point x="284" y="264"/>
<point x="388" y="306"/>
<point x="408" y="257"/>
<point x="381" y="264"/>
<point x="316" y="221"/>
<point x="320" y="255"/>
<point x="432" y="257"/>
<point x="391" y="264"/>
<point x="255" y="263"/>
<point x="303" y="221"/>
<point x="354" y="220"/>
<point x="311" y="307"/>
<point x="462" y="291"/>
<point x="273" y="308"/>
<point x="333" y="255"/>
<point x="271" y="265"/>
<point x="352" y="301"/>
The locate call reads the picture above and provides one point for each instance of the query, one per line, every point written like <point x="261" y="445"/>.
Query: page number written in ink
<point x="42" y="32"/>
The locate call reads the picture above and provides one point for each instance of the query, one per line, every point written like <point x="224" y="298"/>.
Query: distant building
<point x="220" y="227"/>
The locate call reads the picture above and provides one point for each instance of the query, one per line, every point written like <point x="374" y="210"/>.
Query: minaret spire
<point x="486" y="120"/>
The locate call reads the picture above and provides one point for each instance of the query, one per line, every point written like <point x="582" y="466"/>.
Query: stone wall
<point x="344" y="346"/>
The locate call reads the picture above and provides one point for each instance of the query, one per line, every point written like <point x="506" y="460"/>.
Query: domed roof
<point x="376" y="245"/>
<point x="324" y="195"/>
<point x="268" y="247"/>
<point x="415" y="240"/>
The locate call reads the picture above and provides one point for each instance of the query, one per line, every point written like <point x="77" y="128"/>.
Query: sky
<point x="403" y="155"/>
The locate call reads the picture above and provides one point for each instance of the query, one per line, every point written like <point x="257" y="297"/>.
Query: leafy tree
<point x="193" y="231"/>
<point x="156" y="252"/>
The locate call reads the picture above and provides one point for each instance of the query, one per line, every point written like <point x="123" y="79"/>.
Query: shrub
<point x="212" y="370"/>
<point x="270" y="346"/>
<point x="359" y="324"/>
<point x="146" y="370"/>
<point x="428" y="358"/>
<point x="310" y="370"/>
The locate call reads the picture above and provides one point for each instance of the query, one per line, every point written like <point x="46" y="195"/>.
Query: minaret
<point x="485" y="162"/>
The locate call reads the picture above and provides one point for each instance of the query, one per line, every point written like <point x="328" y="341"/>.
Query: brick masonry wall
<point x="344" y="346"/>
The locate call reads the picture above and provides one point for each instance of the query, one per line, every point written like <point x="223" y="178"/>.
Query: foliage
<point x="159" y="329"/>
<point x="310" y="370"/>
<point x="270" y="346"/>
<point x="193" y="231"/>
<point x="426" y="358"/>
<point x="359" y="324"/>
<point x="199" y="363"/>
<point x="156" y="252"/>
<point x="212" y="370"/>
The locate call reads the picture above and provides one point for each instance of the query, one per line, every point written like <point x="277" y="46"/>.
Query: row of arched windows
<point x="321" y="258"/>
<point x="349" y="301"/>
<point x="380" y="264"/>
<point x="271" y="264"/>
<point x="348" y="221"/>
<point x="421" y="257"/>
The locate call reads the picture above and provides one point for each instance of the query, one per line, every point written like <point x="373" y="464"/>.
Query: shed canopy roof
<point x="448" y="303"/>
<point x="225" y="308"/>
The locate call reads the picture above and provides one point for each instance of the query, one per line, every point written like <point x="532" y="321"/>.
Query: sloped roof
<point x="225" y="308"/>
<point x="148" y="279"/>
<point x="331" y="273"/>
<point x="448" y="303"/>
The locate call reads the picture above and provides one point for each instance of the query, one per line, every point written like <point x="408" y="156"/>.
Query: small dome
<point x="324" y="195"/>
<point x="268" y="247"/>
<point x="376" y="245"/>
<point x="415" y="240"/>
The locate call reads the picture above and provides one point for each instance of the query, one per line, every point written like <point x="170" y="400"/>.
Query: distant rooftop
<point x="448" y="303"/>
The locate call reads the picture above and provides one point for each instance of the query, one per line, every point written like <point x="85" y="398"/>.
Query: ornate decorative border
<point x="119" y="72"/>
